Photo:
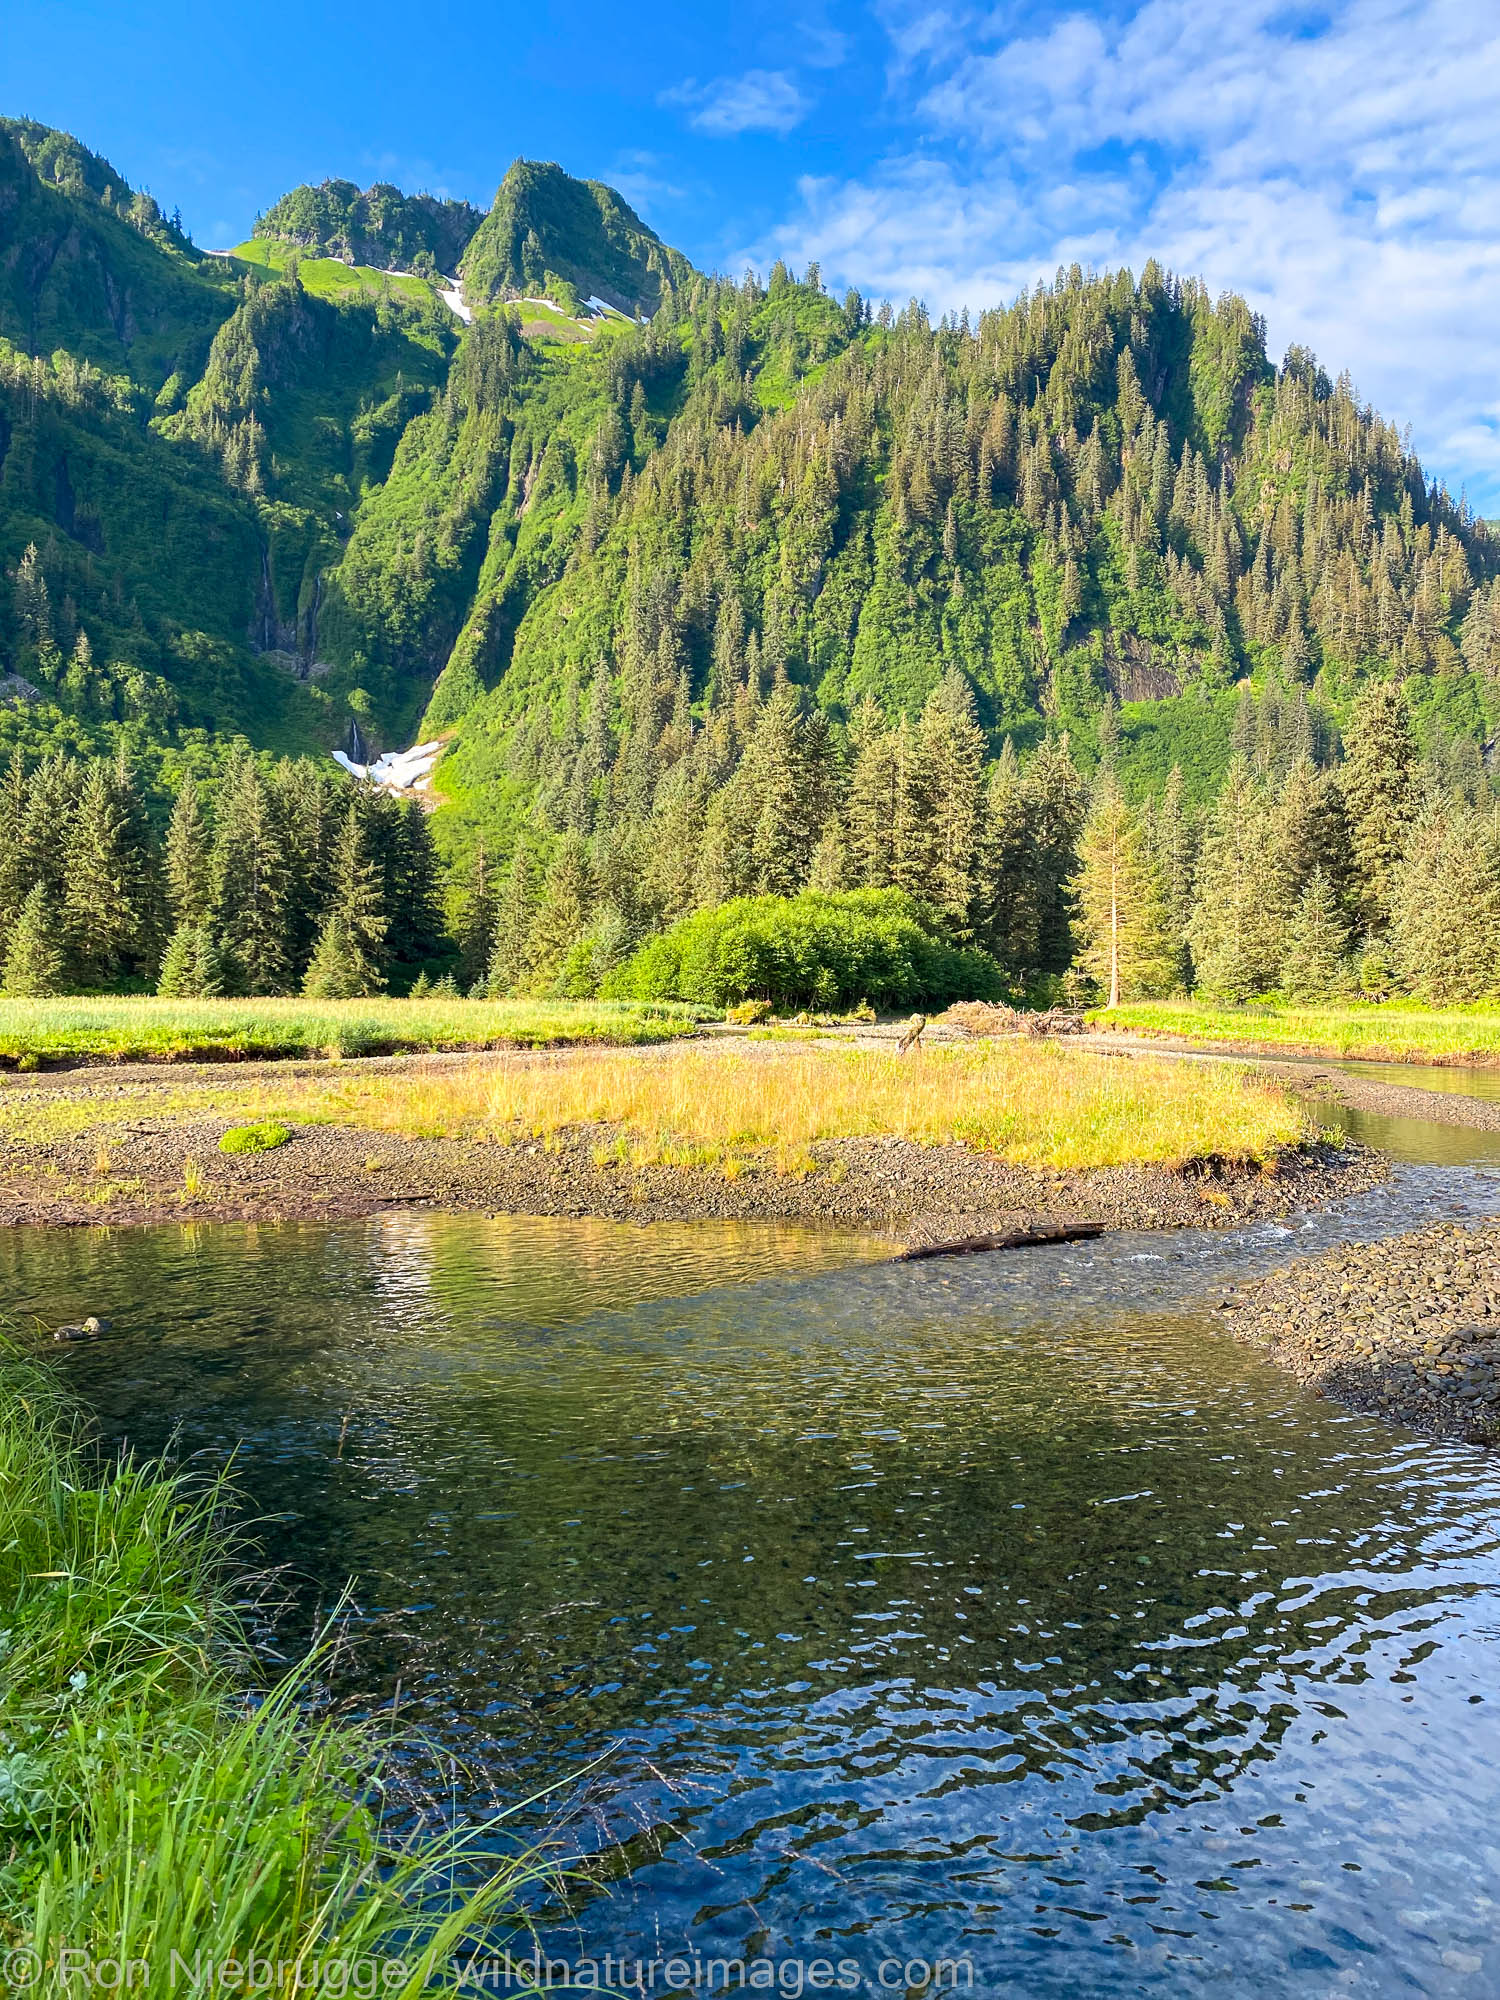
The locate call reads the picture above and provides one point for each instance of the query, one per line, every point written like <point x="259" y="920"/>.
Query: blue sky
<point x="1339" y="164"/>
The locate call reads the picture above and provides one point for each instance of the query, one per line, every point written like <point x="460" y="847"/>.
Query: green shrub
<point x="811" y="950"/>
<point x="254" y="1138"/>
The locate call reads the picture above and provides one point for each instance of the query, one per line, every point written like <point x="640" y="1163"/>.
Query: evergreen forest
<point x="782" y="645"/>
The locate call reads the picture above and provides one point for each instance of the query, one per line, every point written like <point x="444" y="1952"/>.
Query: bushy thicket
<point x="810" y="950"/>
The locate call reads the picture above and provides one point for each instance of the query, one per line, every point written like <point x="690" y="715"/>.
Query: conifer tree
<point x="1123" y="921"/>
<point x="107" y="913"/>
<point x="476" y="930"/>
<point x="562" y="915"/>
<point x="1445" y="906"/>
<point x="33" y="961"/>
<point x="251" y="899"/>
<point x="829" y="873"/>
<point x="1035" y="817"/>
<point x="51" y="795"/>
<point x="1172" y="841"/>
<point x="1308" y="828"/>
<point x="348" y="959"/>
<point x="189" y="858"/>
<point x="1377" y="781"/>
<point x="413" y="885"/>
<point x="307" y="806"/>
<point x="336" y="970"/>
<point x="1237" y="929"/>
<point x="785" y="776"/>
<point x="193" y="967"/>
<point x="14" y="876"/>
<point x="952" y="754"/>
<point x="871" y="809"/>
<point x="1313" y="964"/>
<point x="511" y="942"/>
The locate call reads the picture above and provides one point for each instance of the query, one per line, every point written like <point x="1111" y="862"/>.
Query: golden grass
<point x="1398" y="1031"/>
<point x="1039" y="1106"/>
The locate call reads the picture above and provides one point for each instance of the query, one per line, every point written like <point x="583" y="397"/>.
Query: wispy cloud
<point x="410" y="173"/>
<point x="639" y="177"/>
<point x="761" y="100"/>
<point x="1342" y="169"/>
<point x="822" y="47"/>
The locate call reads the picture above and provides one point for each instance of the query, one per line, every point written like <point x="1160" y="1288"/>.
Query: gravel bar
<point x="1407" y="1329"/>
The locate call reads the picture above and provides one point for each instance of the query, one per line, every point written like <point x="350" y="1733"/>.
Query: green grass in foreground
<point x="119" y="1029"/>
<point x="145" y="1806"/>
<point x="1396" y="1031"/>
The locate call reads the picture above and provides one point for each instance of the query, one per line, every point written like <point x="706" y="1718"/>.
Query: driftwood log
<point x="1033" y="1234"/>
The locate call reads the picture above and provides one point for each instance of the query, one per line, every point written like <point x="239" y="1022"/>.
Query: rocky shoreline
<point x="1407" y="1329"/>
<point x="169" y="1169"/>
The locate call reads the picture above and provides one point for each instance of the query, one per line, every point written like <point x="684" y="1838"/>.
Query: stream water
<point x="1002" y="1613"/>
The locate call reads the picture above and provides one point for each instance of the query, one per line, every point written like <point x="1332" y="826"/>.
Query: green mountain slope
<point x="548" y="232"/>
<point x="278" y="507"/>
<point x="381" y="226"/>
<point x="94" y="270"/>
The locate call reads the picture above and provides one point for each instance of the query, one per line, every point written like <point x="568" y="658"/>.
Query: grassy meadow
<point x="147" y="1805"/>
<point x="142" y="1028"/>
<point x="1032" y="1105"/>
<point x="1394" y="1031"/>
<point x="330" y="277"/>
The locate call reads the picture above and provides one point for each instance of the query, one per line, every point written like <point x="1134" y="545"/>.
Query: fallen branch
<point x="1008" y="1239"/>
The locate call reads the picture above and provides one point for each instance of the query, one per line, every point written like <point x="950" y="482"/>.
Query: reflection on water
<point x="1462" y="1079"/>
<point x="1414" y="1139"/>
<point x="1001" y="1607"/>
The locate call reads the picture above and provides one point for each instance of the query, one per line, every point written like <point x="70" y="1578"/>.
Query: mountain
<point x="381" y="227"/>
<point x="90" y="266"/>
<point x="279" y="498"/>
<point x="548" y="234"/>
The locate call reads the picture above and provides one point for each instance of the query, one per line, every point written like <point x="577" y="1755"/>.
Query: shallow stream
<point x="1000" y="1611"/>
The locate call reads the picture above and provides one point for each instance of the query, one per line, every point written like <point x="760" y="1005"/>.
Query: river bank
<point x="724" y="1131"/>
<point x="1407" y="1329"/>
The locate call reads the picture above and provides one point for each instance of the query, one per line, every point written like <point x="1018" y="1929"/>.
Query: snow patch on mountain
<point x="397" y="770"/>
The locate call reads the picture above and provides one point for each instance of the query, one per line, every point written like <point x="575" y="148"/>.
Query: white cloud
<point x="822" y="47"/>
<point x="637" y="175"/>
<point x="1340" y="171"/>
<point x="762" y="100"/>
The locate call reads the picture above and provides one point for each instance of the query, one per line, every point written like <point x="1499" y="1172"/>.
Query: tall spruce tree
<point x="1445" y="906"/>
<point x="1377" y="780"/>
<point x="951" y="746"/>
<point x="1123" y="921"/>
<point x="193" y="966"/>
<point x="189" y="858"/>
<point x="413" y="885"/>
<point x="251" y="911"/>
<point x="562" y="915"/>
<point x="109" y="914"/>
<point x="1172" y="840"/>
<point x="1314" y="963"/>
<point x="33" y="959"/>
<point x="476" y="929"/>
<point x="14" y="875"/>
<point x="510" y="952"/>
<point x="348" y="959"/>
<point x="1240" y="905"/>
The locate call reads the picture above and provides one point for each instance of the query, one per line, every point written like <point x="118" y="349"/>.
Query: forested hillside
<point x="381" y="226"/>
<point x="766" y="590"/>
